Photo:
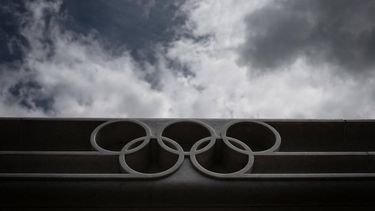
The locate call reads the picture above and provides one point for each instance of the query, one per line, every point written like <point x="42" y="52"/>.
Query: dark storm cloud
<point x="26" y="92"/>
<point x="340" y="32"/>
<point x="138" y="26"/>
<point x="141" y="27"/>
<point x="29" y="94"/>
<point x="11" y="42"/>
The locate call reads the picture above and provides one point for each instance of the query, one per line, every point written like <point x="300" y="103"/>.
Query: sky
<point x="187" y="58"/>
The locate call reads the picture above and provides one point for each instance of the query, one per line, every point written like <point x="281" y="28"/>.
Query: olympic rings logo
<point x="226" y="152"/>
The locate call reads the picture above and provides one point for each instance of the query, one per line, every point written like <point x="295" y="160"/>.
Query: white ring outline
<point x="97" y="147"/>
<point x="274" y="148"/>
<point x="124" y="151"/>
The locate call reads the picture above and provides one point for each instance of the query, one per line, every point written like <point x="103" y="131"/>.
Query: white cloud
<point x="85" y="80"/>
<point x="230" y="90"/>
<point x="82" y="78"/>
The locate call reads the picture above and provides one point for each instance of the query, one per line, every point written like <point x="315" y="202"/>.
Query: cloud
<point x="64" y="71"/>
<point x="135" y="25"/>
<point x="11" y="42"/>
<point x="226" y="89"/>
<point x="139" y="27"/>
<point x="338" y="32"/>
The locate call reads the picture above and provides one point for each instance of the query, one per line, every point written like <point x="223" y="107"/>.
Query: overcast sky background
<point x="188" y="58"/>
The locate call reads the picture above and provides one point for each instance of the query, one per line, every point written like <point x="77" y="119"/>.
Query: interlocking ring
<point x="110" y="137"/>
<point x="228" y="155"/>
<point x="232" y="154"/>
<point x="186" y="133"/>
<point x="259" y="136"/>
<point x="145" y="160"/>
<point x="140" y="155"/>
